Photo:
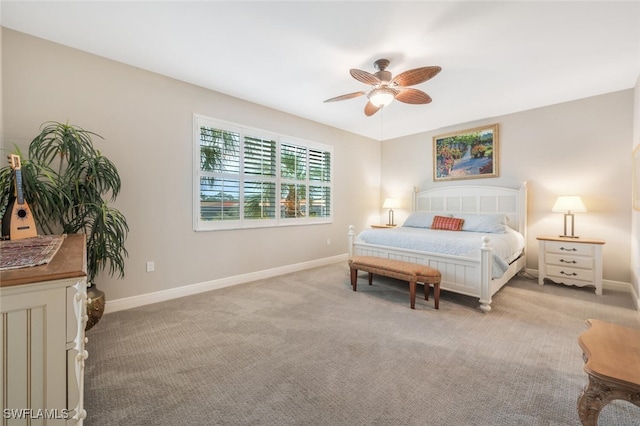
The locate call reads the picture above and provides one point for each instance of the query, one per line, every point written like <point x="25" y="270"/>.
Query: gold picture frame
<point x="467" y="154"/>
<point x="636" y="178"/>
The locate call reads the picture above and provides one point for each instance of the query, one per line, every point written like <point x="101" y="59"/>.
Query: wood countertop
<point x="69" y="262"/>
<point x="570" y="240"/>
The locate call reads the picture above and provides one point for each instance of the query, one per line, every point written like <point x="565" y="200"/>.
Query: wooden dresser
<point x="42" y="318"/>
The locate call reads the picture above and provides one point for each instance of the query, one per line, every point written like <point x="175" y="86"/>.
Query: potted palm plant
<point x="69" y="184"/>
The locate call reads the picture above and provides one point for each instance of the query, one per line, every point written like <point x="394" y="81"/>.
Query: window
<point x="249" y="178"/>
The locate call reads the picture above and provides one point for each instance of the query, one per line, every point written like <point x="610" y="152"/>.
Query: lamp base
<point x="391" y="218"/>
<point x="568" y="217"/>
<point x="568" y="236"/>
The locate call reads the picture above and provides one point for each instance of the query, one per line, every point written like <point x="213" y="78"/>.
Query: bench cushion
<point x="396" y="269"/>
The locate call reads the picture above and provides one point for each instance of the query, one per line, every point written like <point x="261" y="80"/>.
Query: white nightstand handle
<point x="573" y="274"/>
<point x="568" y="249"/>
<point x="567" y="261"/>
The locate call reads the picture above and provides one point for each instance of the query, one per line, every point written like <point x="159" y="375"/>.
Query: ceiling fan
<point x="384" y="89"/>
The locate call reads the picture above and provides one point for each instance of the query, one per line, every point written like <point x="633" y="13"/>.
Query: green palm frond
<point x="106" y="230"/>
<point x="67" y="183"/>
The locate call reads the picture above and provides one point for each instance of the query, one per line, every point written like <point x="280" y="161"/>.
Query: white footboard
<point x="464" y="275"/>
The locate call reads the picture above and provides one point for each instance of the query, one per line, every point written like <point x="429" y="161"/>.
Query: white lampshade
<point x="382" y="96"/>
<point x="569" y="203"/>
<point x="391" y="203"/>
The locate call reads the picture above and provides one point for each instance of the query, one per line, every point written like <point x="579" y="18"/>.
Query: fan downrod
<point x="381" y="64"/>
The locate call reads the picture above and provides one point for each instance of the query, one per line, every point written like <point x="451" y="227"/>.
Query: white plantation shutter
<point x="320" y="183"/>
<point x="293" y="162"/>
<point x="319" y="201"/>
<point x="319" y="165"/>
<point x="259" y="156"/>
<point x="219" y="174"/>
<point x="251" y="178"/>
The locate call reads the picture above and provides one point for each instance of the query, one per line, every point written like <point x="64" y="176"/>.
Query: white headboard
<point x="477" y="200"/>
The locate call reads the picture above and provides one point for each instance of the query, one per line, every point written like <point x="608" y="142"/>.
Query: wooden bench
<point x="406" y="271"/>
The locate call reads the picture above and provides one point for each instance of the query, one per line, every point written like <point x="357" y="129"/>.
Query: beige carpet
<point x="304" y="349"/>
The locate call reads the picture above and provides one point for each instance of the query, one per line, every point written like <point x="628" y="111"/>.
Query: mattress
<point x="506" y="247"/>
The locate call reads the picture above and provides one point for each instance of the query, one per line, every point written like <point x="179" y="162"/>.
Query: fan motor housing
<point x="384" y="76"/>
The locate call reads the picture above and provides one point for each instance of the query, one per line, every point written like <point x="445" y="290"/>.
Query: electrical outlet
<point x="151" y="266"/>
<point x="328" y="241"/>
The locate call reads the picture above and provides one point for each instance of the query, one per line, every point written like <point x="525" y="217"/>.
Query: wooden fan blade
<point x="345" y="97"/>
<point x="364" y="77"/>
<point x="370" y="109"/>
<point x="415" y="76"/>
<point x="413" y="96"/>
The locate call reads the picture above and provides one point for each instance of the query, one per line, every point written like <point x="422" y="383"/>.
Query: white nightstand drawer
<point x="570" y="273"/>
<point x="585" y="262"/>
<point x="570" y="261"/>
<point x="569" y="248"/>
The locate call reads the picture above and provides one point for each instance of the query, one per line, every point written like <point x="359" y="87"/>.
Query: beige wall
<point x="146" y="120"/>
<point x="579" y="147"/>
<point x="635" y="229"/>
<point x="147" y="123"/>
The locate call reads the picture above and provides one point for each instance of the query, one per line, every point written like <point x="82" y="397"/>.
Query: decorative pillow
<point x="489" y="223"/>
<point x="421" y="219"/>
<point x="447" y="223"/>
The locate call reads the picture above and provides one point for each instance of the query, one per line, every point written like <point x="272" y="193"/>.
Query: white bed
<point x="478" y="271"/>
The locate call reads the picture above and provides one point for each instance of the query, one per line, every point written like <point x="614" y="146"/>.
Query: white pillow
<point x="422" y="219"/>
<point x="490" y="223"/>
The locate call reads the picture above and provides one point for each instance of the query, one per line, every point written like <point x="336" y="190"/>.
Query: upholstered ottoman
<point x="398" y="269"/>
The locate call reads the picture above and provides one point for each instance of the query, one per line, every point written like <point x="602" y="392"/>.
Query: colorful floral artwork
<point x="467" y="154"/>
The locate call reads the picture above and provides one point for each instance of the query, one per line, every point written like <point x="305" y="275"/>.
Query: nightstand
<point x="570" y="261"/>
<point x="383" y="226"/>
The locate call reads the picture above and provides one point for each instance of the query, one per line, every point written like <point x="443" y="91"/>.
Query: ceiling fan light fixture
<point x="384" y="88"/>
<point x="382" y="96"/>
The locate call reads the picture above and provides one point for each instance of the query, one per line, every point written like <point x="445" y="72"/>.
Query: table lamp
<point x="569" y="204"/>
<point x="391" y="203"/>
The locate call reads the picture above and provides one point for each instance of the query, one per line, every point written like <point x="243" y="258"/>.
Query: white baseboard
<point x="636" y="298"/>
<point x="188" y="290"/>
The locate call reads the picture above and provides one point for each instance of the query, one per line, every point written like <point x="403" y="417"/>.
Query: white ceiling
<point x="496" y="57"/>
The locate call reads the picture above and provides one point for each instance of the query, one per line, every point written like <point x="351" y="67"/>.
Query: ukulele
<point x="18" y="221"/>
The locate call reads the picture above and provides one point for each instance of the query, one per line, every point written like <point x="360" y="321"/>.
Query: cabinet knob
<point x="572" y="274"/>
<point x="568" y="249"/>
<point x="568" y="261"/>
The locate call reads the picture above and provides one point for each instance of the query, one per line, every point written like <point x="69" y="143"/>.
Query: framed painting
<point x="636" y="178"/>
<point x="467" y="154"/>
